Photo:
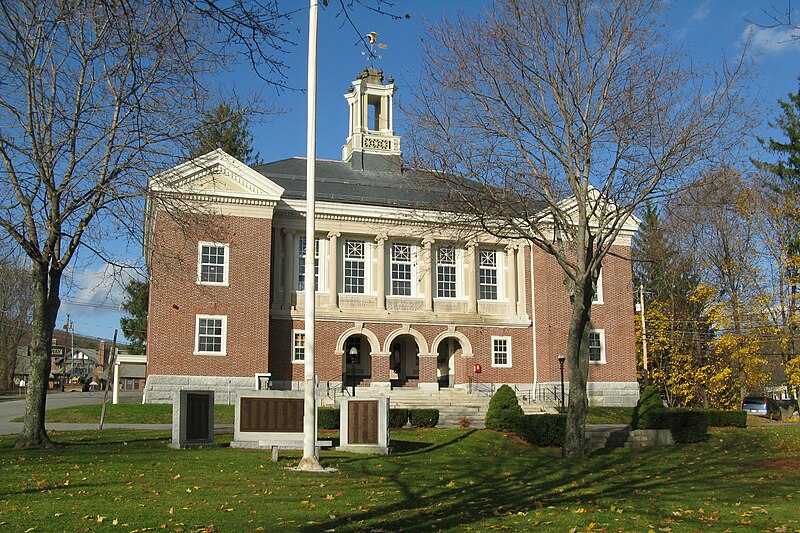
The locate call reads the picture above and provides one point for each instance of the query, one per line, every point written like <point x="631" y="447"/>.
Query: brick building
<point x="401" y="300"/>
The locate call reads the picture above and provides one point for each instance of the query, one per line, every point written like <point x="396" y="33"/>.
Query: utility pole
<point x="644" y="335"/>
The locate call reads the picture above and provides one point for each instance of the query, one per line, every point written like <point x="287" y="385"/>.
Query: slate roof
<point x="337" y="181"/>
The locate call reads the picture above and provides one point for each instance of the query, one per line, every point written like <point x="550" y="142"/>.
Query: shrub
<point x="503" y="410"/>
<point x="398" y="418"/>
<point x="423" y="418"/>
<point x="649" y="405"/>
<point x="724" y="418"/>
<point x="686" y="425"/>
<point x="541" y="430"/>
<point x="327" y="418"/>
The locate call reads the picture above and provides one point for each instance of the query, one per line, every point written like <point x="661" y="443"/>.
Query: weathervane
<point x="370" y="42"/>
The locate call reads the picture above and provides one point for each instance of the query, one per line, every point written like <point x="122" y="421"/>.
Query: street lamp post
<point x="352" y="355"/>
<point x="561" y="359"/>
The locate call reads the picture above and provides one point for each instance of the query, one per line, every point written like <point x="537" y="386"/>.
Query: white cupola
<point x="371" y="143"/>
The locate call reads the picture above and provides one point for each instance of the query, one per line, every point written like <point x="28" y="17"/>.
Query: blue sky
<point x="707" y="31"/>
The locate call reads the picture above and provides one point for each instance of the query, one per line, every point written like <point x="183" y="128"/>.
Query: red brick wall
<point x="615" y="316"/>
<point x="329" y="366"/>
<point x="175" y="296"/>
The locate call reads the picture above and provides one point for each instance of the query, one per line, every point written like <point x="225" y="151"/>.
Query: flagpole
<point x="310" y="461"/>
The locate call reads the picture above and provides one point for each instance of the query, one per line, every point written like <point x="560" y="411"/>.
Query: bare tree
<point x="552" y="121"/>
<point x="16" y="298"/>
<point x="94" y="97"/>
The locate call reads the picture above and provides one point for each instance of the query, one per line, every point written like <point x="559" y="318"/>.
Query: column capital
<point x="427" y="242"/>
<point x="334" y="234"/>
<point x="382" y="237"/>
<point x="472" y="244"/>
<point x="287" y="231"/>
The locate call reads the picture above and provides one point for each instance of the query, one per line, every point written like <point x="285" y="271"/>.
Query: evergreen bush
<point x="649" y="405"/>
<point x="327" y="418"/>
<point x="398" y="418"/>
<point x="724" y="418"/>
<point x="423" y="418"/>
<point x="541" y="430"/>
<point x="503" y="410"/>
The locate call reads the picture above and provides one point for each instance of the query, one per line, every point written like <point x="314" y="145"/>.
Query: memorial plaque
<point x="197" y="416"/>
<point x="271" y="414"/>
<point x="362" y="424"/>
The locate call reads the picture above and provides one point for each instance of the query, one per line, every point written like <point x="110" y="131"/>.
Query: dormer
<point x="371" y="143"/>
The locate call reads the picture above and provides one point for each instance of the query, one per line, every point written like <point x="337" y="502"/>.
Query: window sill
<point x="298" y="362"/>
<point x="213" y="284"/>
<point x="211" y="354"/>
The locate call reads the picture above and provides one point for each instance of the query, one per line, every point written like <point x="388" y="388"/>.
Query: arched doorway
<point x="404" y="361"/>
<point x="356" y="361"/>
<point x="445" y="362"/>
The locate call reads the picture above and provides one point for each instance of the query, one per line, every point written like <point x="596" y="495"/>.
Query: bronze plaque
<point x="362" y="422"/>
<point x="271" y="414"/>
<point x="197" y="413"/>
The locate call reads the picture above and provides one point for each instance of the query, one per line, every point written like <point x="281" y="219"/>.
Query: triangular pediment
<point x="569" y="206"/>
<point x="216" y="174"/>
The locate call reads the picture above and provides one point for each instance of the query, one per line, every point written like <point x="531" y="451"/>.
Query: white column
<point x="278" y="262"/>
<point x="471" y="275"/>
<point x="380" y="276"/>
<point x="115" y="390"/>
<point x="333" y="272"/>
<point x="428" y="272"/>
<point x="288" y="271"/>
<point x="511" y="276"/>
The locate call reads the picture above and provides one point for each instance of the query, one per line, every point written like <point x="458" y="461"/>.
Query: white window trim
<point x="224" y="346"/>
<point x="225" y="264"/>
<point x="602" y="334"/>
<point x="459" y="269"/>
<point x="508" y="355"/>
<point x="322" y="282"/>
<point x="599" y="292"/>
<point x="414" y="271"/>
<point x="368" y="255"/>
<point x="500" y="270"/>
<point x="298" y="361"/>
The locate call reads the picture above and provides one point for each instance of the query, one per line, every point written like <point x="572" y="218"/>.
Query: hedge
<point x="423" y="418"/>
<point x="398" y="418"/>
<point x="541" y="430"/>
<point x="649" y="402"/>
<point x="686" y="425"/>
<point x="724" y="418"/>
<point x="503" y="410"/>
<point x="327" y="418"/>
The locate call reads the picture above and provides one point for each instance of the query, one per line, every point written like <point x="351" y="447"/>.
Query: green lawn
<point x="128" y="413"/>
<point x="452" y="480"/>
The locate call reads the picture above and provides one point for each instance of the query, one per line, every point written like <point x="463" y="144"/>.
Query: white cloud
<point x="771" y="40"/>
<point x="701" y="13"/>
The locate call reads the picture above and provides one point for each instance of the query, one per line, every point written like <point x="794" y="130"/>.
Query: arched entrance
<point x="446" y="362"/>
<point x="404" y="361"/>
<point x="356" y="361"/>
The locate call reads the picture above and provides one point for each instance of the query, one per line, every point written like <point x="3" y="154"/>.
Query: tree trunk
<point x="46" y="284"/>
<point x="578" y="371"/>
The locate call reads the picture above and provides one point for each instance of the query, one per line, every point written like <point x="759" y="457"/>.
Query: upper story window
<point x="446" y="272"/>
<point x="355" y="266"/>
<point x="402" y="263"/>
<point x="298" y="346"/>
<point x="597" y="346"/>
<point x="301" y="263"/>
<point x="597" y="296"/>
<point x="501" y="351"/>
<point x="210" y="334"/>
<point x="487" y="274"/>
<point x="212" y="263"/>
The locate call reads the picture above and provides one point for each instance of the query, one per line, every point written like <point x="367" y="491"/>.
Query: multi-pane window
<point x="487" y="274"/>
<point x="597" y="296"/>
<point x="501" y="351"/>
<point x="211" y="333"/>
<point x="301" y="264"/>
<point x="299" y="346"/>
<point x="212" y="264"/>
<point x="446" y="272"/>
<point x="354" y="266"/>
<point x="401" y="269"/>
<point x="597" y="348"/>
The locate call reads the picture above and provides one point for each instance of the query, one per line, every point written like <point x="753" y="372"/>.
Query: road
<point x="11" y="409"/>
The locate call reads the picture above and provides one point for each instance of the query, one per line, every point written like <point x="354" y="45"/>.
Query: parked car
<point x="761" y="406"/>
